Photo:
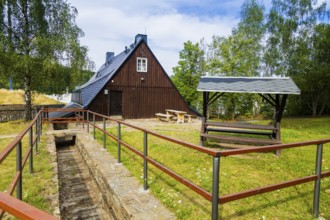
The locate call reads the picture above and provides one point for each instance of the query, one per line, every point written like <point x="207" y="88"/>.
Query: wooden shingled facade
<point x="134" y="94"/>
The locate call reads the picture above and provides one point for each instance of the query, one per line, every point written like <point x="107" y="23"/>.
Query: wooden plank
<point x="240" y="131"/>
<point x="239" y="125"/>
<point x="241" y="140"/>
<point x="162" y="116"/>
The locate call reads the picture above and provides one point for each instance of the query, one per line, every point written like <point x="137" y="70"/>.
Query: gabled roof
<point x="263" y="85"/>
<point x="90" y="89"/>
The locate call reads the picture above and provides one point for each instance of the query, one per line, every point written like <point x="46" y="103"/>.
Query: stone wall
<point x="123" y="196"/>
<point x="16" y="112"/>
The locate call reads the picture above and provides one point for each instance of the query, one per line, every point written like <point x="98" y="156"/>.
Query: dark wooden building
<point x="132" y="84"/>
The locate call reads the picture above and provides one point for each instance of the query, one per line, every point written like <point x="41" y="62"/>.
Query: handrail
<point x="214" y="197"/>
<point x="20" y="162"/>
<point x="212" y="152"/>
<point x="21" y="209"/>
<point x="272" y="147"/>
<point x="82" y="116"/>
<point x="11" y="146"/>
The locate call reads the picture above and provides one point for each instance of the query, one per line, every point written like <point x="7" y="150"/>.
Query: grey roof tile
<point x="90" y="89"/>
<point x="266" y="85"/>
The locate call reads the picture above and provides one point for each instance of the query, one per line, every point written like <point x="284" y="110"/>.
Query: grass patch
<point x="17" y="97"/>
<point x="12" y="127"/>
<point x="37" y="187"/>
<point x="237" y="173"/>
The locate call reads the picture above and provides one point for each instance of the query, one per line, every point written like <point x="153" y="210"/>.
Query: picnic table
<point x="179" y="114"/>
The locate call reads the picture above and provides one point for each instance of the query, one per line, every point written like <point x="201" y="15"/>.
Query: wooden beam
<point x="205" y="102"/>
<point x="213" y="98"/>
<point x="270" y="101"/>
<point x="281" y="108"/>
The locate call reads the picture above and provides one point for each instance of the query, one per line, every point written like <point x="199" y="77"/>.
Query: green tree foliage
<point x="188" y="72"/>
<point x="293" y="50"/>
<point x="239" y="54"/>
<point x="39" y="43"/>
<point x="312" y="72"/>
<point x="290" y="24"/>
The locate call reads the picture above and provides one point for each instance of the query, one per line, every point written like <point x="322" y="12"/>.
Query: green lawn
<point x="237" y="173"/>
<point x="37" y="186"/>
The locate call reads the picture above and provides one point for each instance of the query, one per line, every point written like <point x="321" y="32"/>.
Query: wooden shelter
<point x="132" y="84"/>
<point x="274" y="90"/>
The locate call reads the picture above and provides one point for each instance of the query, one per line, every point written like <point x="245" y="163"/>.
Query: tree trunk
<point x="27" y="99"/>
<point x="325" y="102"/>
<point x="314" y="108"/>
<point x="234" y="108"/>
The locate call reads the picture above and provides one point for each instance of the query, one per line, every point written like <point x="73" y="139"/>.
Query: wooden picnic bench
<point x="188" y="117"/>
<point x="179" y="114"/>
<point x="270" y="132"/>
<point x="164" y="117"/>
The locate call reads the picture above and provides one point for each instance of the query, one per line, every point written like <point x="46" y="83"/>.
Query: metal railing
<point x="88" y="118"/>
<point x="8" y="203"/>
<point x="21" y="209"/>
<point x="84" y="117"/>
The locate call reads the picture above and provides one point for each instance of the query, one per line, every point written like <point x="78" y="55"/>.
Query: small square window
<point x="141" y="64"/>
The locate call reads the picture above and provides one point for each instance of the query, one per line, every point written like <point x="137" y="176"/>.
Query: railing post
<point x="37" y="136"/>
<point x="31" y="147"/>
<point x="145" y="163"/>
<point x="19" y="169"/>
<point x="87" y="122"/>
<point x="104" y="135"/>
<point x="317" y="184"/>
<point x="83" y="119"/>
<point x="118" y="139"/>
<point x="41" y="119"/>
<point x="94" y="126"/>
<point x="215" y="187"/>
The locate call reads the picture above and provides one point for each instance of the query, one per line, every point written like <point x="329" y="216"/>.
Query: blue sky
<point x="110" y="25"/>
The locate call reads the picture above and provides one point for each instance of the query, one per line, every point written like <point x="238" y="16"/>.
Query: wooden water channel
<point x="87" y="118"/>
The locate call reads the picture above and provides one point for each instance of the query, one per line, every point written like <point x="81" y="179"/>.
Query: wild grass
<point x="236" y="173"/>
<point x="37" y="187"/>
<point x="17" y="97"/>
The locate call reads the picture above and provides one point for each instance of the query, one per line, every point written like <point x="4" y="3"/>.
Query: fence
<point x="87" y="118"/>
<point x="8" y="203"/>
<point x="216" y="154"/>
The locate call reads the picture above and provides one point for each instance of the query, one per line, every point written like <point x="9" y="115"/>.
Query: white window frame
<point x="139" y="64"/>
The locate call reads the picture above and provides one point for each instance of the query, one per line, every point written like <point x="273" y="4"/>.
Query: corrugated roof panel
<point x="267" y="85"/>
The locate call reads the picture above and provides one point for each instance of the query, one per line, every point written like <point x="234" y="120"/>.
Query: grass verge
<point x="37" y="187"/>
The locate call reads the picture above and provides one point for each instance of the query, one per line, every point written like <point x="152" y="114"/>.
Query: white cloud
<point x="112" y="25"/>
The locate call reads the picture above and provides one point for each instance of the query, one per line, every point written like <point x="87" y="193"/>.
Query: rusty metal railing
<point x="21" y="209"/>
<point x="84" y="117"/>
<point x="8" y="203"/>
<point x="213" y="196"/>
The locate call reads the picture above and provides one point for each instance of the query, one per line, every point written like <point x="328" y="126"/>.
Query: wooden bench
<point x="164" y="117"/>
<point x="270" y="133"/>
<point x="188" y="117"/>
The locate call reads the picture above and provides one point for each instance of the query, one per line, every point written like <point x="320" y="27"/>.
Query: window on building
<point x="141" y="64"/>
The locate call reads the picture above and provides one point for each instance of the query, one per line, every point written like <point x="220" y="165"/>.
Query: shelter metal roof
<point x="263" y="85"/>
